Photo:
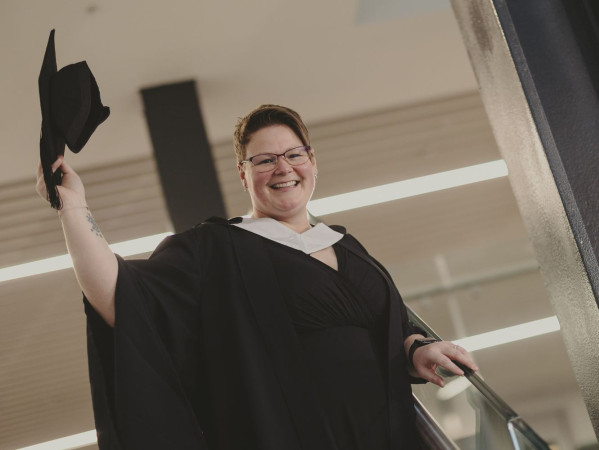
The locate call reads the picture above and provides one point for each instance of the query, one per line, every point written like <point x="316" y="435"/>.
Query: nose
<point x="285" y="166"/>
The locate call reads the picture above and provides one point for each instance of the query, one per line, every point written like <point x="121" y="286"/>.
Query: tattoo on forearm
<point x="94" y="225"/>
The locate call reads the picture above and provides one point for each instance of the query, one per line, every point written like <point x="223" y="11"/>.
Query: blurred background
<point x="388" y="94"/>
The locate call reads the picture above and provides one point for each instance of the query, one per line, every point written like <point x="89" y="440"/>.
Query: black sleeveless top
<point x="341" y="321"/>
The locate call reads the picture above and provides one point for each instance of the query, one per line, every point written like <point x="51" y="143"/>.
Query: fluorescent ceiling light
<point x="509" y="334"/>
<point x="491" y="339"/>
<point x="126" y="248"/>
<point x="320" y="207"/>
<point x="68" y="442"/>
<point x="408" y="188"/>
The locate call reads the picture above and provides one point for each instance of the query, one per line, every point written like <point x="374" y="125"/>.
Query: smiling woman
<point x="260" y="332"/>
<point x="283" y="191"/>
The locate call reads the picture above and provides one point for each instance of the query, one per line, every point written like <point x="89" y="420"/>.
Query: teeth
<point x="282" y="185"/>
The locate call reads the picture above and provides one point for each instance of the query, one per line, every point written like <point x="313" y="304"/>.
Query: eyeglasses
<point x="266" y="162"/>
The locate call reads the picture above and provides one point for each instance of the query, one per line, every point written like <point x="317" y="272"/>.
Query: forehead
<point x="272" y="139"/>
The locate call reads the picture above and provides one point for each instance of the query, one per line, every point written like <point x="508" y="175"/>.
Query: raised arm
<point x="95" y="264"/>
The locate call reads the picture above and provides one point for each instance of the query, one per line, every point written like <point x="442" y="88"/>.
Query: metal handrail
<point x="431" y="434"/>
<point x="493" y="400"/>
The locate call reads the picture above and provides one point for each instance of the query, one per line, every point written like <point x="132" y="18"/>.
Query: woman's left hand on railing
<point x="426" y="359"/>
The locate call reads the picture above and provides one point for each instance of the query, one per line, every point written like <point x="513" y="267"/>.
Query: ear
<point x="313" y="159"/>
<point x="242" y="176"/>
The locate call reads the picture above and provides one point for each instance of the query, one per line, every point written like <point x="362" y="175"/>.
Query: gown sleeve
<point x="144" y="370"/>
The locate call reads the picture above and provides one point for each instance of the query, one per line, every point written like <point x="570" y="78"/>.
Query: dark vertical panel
<point x="559" y="71"/>
<point x="182" y="153"/>
<point x="537" y="65"/>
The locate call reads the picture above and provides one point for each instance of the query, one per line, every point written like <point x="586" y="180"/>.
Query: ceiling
<point x="388" y="94"/>
<point x="319" y="57"/>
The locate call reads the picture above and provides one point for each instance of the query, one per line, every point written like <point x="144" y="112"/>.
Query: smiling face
<point x="283" y="193"/>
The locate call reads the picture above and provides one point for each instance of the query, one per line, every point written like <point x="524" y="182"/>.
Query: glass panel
<point x="524" y="437"/>
<point x="474" y="422"/>
<point x="472" y="415"/>
<point x="455" y="416"/>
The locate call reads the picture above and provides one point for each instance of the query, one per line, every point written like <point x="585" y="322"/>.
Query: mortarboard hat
<point x="71" y="111"/>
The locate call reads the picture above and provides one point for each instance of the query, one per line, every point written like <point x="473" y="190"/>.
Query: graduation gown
<point x="203" y="354"/>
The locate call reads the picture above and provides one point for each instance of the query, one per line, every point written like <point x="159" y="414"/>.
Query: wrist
<point x="64" y="209"/>
<point x="416" y="344"/>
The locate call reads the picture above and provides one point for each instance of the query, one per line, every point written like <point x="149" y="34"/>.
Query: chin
<point x="288" y="210"/>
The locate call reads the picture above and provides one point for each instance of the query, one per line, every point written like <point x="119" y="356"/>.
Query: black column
<point x="537" y="64"/>
<point x="182" y="153"/>
<point x="558" y="64"/>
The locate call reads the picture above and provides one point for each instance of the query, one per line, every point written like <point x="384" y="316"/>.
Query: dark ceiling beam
<point x="182" y="154"/>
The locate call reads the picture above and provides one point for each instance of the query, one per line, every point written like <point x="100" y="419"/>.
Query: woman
<point x="260" y="332"/>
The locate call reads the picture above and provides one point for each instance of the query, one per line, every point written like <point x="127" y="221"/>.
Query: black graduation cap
<point x="71" y="112"/>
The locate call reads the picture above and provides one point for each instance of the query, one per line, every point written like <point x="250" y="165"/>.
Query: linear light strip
<point x="320" y="207"/>
<point x="408" y="188"/>
<point x="472" y="343"/>
<point x="509" y="334"/>
<point x="126" y="248"/>
<point x="492" y="339"/>
<point x="66" y="443"/>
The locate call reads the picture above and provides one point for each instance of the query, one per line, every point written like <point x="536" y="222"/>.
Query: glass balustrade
<point x="470" y="413"/>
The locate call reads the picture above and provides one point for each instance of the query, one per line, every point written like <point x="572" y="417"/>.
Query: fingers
<point x="428" y="373"/>
<point x="40" y="185"/>
<point x="432" y="377"/>
<point x="447" y="355"/>
<point x="450" y="365"/>
<point x="444" y="356"/>
<point x="40" y="173"/>
<point x="56" y="164"/>
<point x="66" y="168"/>
<point x="456" y="359"/>
<point x="462" y="356"/>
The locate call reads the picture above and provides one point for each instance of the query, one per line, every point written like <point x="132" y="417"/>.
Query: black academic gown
<point x="203" y="354"/>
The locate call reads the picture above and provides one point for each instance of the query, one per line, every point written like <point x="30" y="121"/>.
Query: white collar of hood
<point x="316" y="238"/>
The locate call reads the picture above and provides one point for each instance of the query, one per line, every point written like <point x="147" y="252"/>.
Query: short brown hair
<point x="264" y="116"/>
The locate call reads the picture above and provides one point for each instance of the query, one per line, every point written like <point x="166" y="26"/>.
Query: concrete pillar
<point x="537" y="67"/>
